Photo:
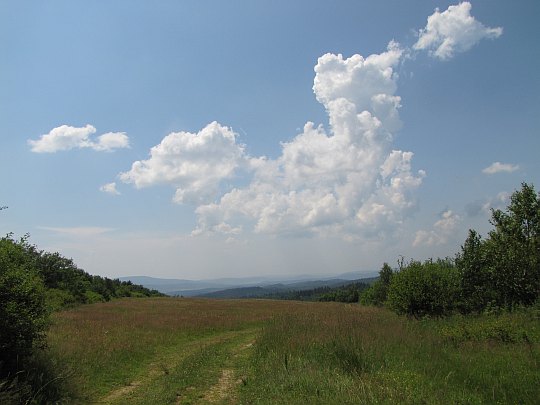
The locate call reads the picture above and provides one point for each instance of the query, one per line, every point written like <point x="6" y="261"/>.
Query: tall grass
<point x="317" y="353"/>
<point x="107" y="344"/>
<point x="349" y="354"/>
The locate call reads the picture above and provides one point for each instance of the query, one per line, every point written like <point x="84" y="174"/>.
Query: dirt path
<point x="231" y="346"/>
<point x="225" y="388"/>
<point x="222" y="389"/>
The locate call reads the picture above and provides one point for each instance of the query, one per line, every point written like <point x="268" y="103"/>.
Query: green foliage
<point x="349" y="293"/>
<point x="378" y="292"/>
<point x="32" y="283"/>
<point x="344" y="293"/>
<point x="430" y="288"/>
<point x="476" y="274"/>
<point x="91" y="297"/>
<point x="501" y="272"/>
<point x="68" y="285"/>
<point x="23" y="314"/>
<point x="514" y="249"/>
<point x="368" y="295"/>
<point x="313" y="294"/>
<point x="57" y="299"/>
<point x="504" y="270"/>
<point x="26" y="372"/>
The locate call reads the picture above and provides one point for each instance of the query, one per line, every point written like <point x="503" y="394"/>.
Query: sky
<point x="205" y="139"/>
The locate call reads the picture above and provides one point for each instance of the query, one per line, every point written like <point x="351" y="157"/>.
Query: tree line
<point x="348" y="293"/>
<point x="33" y="283"/>
<point x="501" y="271"/>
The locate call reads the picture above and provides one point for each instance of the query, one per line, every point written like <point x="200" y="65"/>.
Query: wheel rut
<point x="234" y="343"/>
<point x="224" y="390"/>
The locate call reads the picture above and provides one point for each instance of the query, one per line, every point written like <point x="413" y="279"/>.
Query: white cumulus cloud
<point x="63" y="138"/>
<point x="498" y="167"/>
<point x="344" y="182"/>
<point x="66" y="137"/>
<point x="441" y="232"/>
<point x="111" y="140"/>
<point x="453" y="31"/>
<point x="194" y="163"/>
<point x="109" y="188"/>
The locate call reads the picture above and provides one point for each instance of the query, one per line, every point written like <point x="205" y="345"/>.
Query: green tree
<point x="476" y="274"/>
<point x="23" y="313"/>
<point x="504" y="269"/>
<point x="429" y="288"/>
<point x="377" y="293"/>
<point x="514" y="249"/>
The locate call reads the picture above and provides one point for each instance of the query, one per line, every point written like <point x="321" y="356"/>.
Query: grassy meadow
<point x="189" y="351"/>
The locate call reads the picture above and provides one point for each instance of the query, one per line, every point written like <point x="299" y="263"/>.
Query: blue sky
<point x="170" y="139"/>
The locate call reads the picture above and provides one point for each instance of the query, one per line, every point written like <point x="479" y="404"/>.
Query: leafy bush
<point x="378" y="292"/>
<point x="23" y="313"/>
<point x="429" y="288"/>
<point x="368" y="295"/>
<point x="92" y="297"/>
<point x="57" y="299"/>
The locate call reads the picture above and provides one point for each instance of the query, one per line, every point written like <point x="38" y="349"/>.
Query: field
<point x="194" y="351"/>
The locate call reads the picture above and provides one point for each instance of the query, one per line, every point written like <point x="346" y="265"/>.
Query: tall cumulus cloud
<point x="194" y="163"/>
<point x="344" y="180"/>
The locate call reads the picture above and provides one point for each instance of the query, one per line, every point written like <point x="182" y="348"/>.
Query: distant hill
<point x="180" y="286"/>
<point x="304" y="290"/>
<point x="192" y="288"/>
<point x="240" y="292"/>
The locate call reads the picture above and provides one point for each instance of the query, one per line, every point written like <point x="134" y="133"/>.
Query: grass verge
<point x="335" y="354"/>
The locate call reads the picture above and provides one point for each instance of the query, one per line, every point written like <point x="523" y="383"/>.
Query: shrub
<point x="368" y="296"/>
<point x="23" y="313"/>
<point x="429" y="288"/>
<point x="377" y="293"/>
<point x="92" y="297"/>
<point x="57" y="299"/>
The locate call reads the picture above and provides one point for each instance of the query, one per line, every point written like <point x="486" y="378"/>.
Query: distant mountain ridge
<point x="246" y="286"/>
<point x="282" y="290"/>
